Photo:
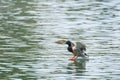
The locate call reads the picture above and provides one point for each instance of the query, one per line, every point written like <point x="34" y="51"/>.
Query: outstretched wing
<point x="80" y="48"/>
<point x="61" y="42"/>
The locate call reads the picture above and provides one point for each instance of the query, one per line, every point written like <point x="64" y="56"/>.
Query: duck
<point x="78" y="49"/>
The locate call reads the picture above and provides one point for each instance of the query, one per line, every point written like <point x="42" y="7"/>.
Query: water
<point x="28" y="30"/>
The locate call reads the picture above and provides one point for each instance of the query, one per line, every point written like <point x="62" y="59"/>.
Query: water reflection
<point x="77" y="69"/>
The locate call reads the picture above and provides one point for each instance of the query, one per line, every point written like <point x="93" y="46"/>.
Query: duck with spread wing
<point x="77" y="50"/>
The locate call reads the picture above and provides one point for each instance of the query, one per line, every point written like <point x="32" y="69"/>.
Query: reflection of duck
<point x="79" y="65"/>
<point x="77" y="68"/>
<point x="77" y="50"/>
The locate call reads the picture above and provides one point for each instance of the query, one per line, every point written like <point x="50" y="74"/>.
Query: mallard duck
<point x="77" y="50"/>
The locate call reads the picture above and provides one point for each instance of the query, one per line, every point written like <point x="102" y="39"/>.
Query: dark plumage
<point x="69" y="48"/>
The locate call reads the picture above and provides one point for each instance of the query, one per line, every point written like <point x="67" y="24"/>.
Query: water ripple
<point x="28" y="30"/>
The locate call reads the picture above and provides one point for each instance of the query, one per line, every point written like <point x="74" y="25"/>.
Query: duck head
<point x="68" y="43"/>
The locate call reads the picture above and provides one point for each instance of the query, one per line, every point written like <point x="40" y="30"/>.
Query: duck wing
<point x="80" y="48"/>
